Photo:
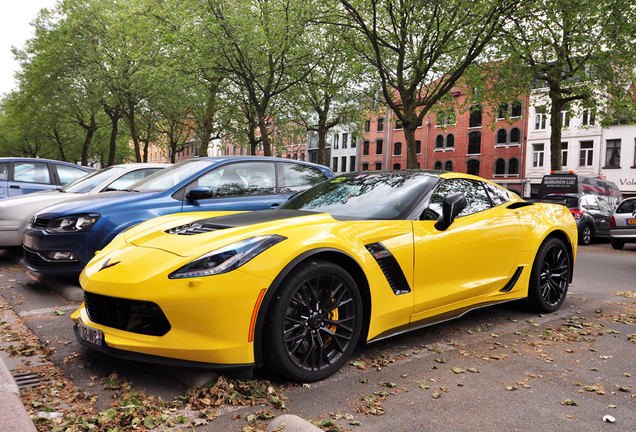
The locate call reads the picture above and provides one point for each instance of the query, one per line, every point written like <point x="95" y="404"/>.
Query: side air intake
<point x="390" y="267"/>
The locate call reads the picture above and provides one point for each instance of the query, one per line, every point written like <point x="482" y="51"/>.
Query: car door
<point x="294" y="177"/>
<point x="249" y="186"/>
<point x="67" y="174"/>
<point x="30" y="176"/>
<point x="601" y="217"/>
<point x="473" y="256"/>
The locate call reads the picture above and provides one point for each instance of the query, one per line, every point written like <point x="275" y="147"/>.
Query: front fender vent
<point x="194" y="228"/>
<point x="390" y="267"/>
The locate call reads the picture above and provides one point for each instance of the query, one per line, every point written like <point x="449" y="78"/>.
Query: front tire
<point x="550" y="277"/>
<point x="617" y="244"/>
<point x="314" y="322"/>
<point x="586" y="235"/>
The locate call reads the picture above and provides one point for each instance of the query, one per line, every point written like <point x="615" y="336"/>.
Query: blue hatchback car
<point x="63" y="238"/>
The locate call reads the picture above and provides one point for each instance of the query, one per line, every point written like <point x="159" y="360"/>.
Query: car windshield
<point x="88" y="183"/>
<point x="364" y="196"/>
<point x="169" y="177"/>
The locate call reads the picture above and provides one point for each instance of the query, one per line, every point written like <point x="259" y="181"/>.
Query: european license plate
<point x="27" y="241"/>
<point x="631" y="221"/>
<point x="90" y="334"/>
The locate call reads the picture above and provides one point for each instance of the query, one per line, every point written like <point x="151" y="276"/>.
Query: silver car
<point x="623" y="224"/>
<point x="16" y="212"/>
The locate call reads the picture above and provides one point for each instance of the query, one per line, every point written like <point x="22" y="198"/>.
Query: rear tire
<point x="617" y="244"/>
<point x="314" y="322"/>
<point x="585" y="238"/>
<point x="550" y="277"/>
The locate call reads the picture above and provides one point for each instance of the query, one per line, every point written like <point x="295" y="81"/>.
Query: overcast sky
<point x="14" y="31"/>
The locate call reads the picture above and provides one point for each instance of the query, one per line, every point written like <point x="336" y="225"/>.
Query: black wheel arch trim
<point x="273" y="287"/>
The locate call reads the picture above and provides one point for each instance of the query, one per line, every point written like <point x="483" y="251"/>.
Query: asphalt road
<point x="500" y="368"/>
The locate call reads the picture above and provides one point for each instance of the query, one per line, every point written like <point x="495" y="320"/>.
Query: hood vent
<point x="195" y="228"/>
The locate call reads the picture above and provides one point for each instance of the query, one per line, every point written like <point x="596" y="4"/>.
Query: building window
<point x="588" y="117"/>
<point x="473" y="167"/>
<point x="397" y="149"/>
<point x="474" y="143"/>
<point x="336" y="138"/>
<point x="439" y="142"/>
<point x="365" y="166"/>
<point x="396" y="167"/>
<point x="450" y="141"/>
<point x="515" y="136"/>
<point x="500" y="167"/>
<point x="449" y="165"/>
<point x="352" y="163"/>
<point x="513" y="166"/>
<point x="380" y="124"/>
<point x="586" y="153"/>
<point x="418" y="123"/>
<point x="335" y="164"/>
<point x="378" y="166"/>
<point x="502" y="111"/>
<point x="438" y="165"/>
<point x="613" y="153"/>
<point x="353" y="141"/>
<point x="564" y="154"/>
<point x="445" y="118"/>
<point x="302" y="156"/>
<point x="345" y="137"/>
<point x="475" y="116"/>
<point x="367" y="125"/>
<point x="517" y="108"/>
<point x="418" y="147"/>
<point x="537" y="155"/>
<point x="343" y="163"/>
<point x="565" y="119"/>
<point x="378" y="147"/>
<point x="399" y="125"/>
<point x="502" y="137"/>
<point x="540" y="117"/>
<point x="365" y="148"/>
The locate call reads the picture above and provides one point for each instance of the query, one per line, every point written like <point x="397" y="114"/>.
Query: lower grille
<point x="36" y="260"/>
<point x="135" y="316"/>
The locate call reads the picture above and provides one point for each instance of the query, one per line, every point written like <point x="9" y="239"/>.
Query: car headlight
<point x="76" y="223"/>
<point x="227" y="258"/>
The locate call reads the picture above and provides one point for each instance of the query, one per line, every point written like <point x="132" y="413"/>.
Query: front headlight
<point x="76" y="223"/>
<point x="227" y="258"/>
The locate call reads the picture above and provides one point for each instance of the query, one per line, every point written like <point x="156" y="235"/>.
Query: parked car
<point x="16" y="212"/>
<point x="623" y="224"/>
<point x="62" y="239"/>
<point x="362" y="256"/>
<point x="579" y="185"/>
<point x="19" y="176"/>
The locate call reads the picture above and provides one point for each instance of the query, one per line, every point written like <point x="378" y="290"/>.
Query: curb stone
<point x="13" y="415"/>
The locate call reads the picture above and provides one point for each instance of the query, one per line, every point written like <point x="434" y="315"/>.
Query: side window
<point x="498" y="195"/>
<point x="476" y="197"/>
<point x="247" y="178"/>
<point x="132" y="177"/>
<point x="4" y="171"/>
<point x="297" y="177"/>
<point x="67" y="174"/>
<point x="605" y="206"/>
<point x="589" y="201"/>
<point x="31" y="172"/>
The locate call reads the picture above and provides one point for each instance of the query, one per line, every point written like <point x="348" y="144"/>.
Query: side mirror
<point x="452" y="205"/>
<point x="199" y="193"/>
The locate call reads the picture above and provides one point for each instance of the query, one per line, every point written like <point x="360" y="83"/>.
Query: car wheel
<point x="585" y="238"/>
<point x="550" y="276"/>
<point x="617" y="244"/>
<point x="314" y="322"/>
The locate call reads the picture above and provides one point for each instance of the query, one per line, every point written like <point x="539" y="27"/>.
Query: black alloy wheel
<point x="314" y="322"/>
<point x="550" y="277"/>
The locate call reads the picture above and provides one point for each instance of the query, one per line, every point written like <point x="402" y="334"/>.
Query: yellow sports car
<point x="359" y="257"/>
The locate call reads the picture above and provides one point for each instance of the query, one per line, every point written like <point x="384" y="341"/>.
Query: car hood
<point x="16" y="207"/>
<point x="92" y="203"/>
<point x="195" y="233"/>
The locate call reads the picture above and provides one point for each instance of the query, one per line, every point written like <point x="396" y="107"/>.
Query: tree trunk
<point x="209" y="117"/>
<point x="133" y="129"/>
<point x="90" y="131"/>
<point x="322" y="141"/>
<point x="115" y="116"/>
<point x="262" y="125"/>
<point x="555" y="130"/>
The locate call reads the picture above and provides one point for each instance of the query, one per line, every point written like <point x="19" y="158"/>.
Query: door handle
<point x="14" y="187"/>
<point x="275" y="205"/>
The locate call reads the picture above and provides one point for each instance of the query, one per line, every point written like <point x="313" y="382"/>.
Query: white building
<point x="586" y="148"/>
<point x="343" y="151"/>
